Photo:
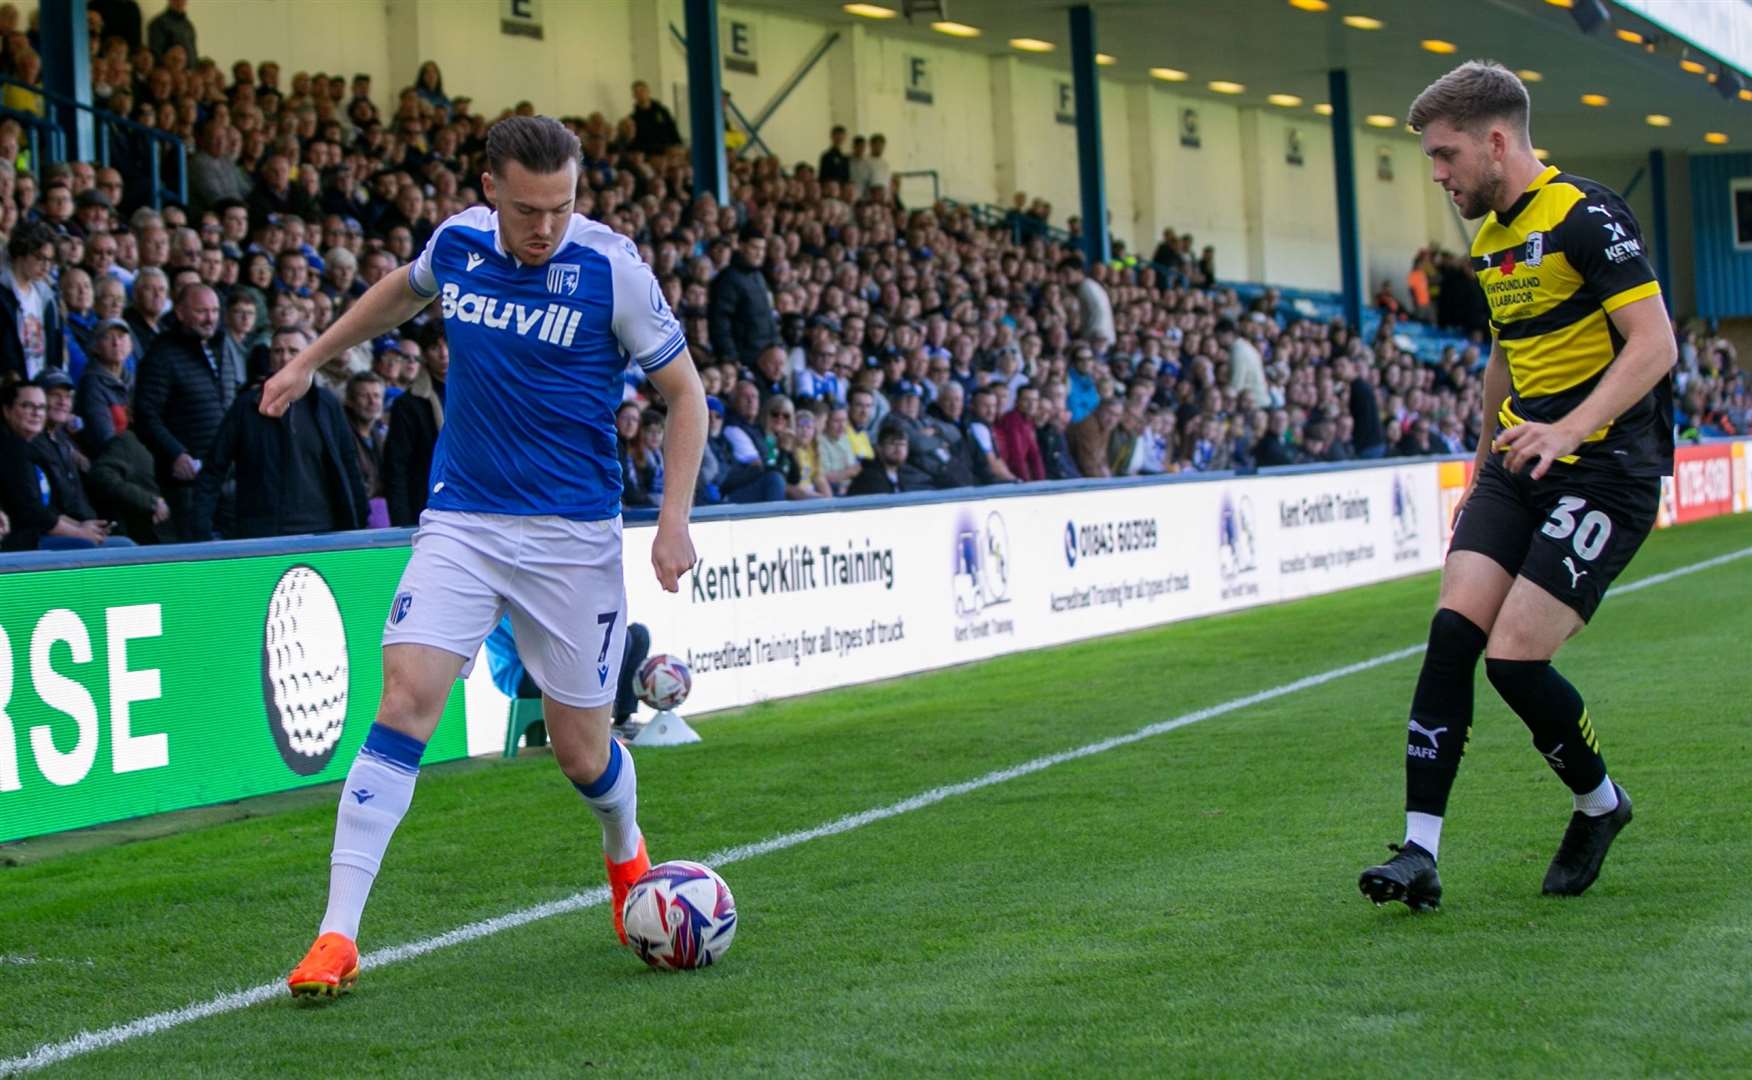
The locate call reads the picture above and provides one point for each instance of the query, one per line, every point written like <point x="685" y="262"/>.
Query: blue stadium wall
<point x="1724" y="275"/>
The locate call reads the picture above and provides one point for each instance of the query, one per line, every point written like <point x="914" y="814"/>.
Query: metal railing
<point x="936" y="183"/>
<point x="106" y="126"/>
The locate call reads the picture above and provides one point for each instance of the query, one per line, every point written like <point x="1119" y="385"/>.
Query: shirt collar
<point x="1545" y="177"/>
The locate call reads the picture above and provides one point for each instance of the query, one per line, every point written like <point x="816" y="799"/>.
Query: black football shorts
<point x="1571" y="532"/>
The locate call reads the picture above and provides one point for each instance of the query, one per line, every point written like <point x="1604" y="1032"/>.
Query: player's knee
<point x="1456" y="639"/>
<point x="582" y="761"/>
<point x="405" y="708"/>
<point x="1516" y="680"/>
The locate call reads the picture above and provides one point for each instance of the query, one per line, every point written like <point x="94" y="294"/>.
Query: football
<point x="663" y="682"/>
<point x="680" y="916"/>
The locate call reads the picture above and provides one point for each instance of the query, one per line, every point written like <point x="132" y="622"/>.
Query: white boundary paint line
<point x="89" y="1041"/>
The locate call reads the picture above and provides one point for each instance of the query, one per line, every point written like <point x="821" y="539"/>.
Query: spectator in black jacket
<point x="742" y="322"/>
<point x="31" y="334"/>
<point x="834" y="164"/>
<point x="124" y="490"/>
<point x="179" y="403"/>
<point x="1273" y="447"/>
<point x="414" y="423"/>
<point x="102" y="401"/>
<point x="54" y="447"/>
<point x="27" y="499"/>
<point x="889" y="473"/>
<point x="297" y="473"/>
<point x="654" y="124"/>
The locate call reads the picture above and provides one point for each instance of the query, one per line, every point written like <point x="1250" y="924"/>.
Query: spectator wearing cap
<point x="742" y="320"/>
<point x="387" y="364"/>
<point x="27" y="497"/>
<point x="654" y="125"/>
<point x="889" y="473"/>
<point x="145" y="315"/>
<point x="93" y="212"/>
<point x="738" y="473"/>
<point x="54" y="448"/>
<point x="296" y="473"/>
<point x="180" y="401"/>
<point x="415" y="420"/>
<point x="102" y="401"/>
<point x="927" y="450"/>
<point x="31" y="333"/>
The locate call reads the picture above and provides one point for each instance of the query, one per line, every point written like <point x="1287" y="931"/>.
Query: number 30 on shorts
<point x="1590" y="532"/>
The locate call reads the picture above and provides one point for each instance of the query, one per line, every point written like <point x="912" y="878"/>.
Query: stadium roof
<point x="1276" y="47"/>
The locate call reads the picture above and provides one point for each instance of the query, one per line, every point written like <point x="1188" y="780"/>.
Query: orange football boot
<point x="329" y="969"/>
<point x="621" y="877"/>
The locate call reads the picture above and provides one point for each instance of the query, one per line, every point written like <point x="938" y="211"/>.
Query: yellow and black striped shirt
<point x="1553" y="267"/>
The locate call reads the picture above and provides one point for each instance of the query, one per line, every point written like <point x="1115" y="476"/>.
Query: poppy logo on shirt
<point x="562" y="278"/>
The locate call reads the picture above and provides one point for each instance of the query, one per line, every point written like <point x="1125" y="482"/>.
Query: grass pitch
<point x="1183" y="905"/>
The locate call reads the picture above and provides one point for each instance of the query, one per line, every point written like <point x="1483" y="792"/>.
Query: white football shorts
<point x="561" y="580"/>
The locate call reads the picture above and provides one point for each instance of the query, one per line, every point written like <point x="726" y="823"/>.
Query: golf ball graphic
<point x="304" y="670"/>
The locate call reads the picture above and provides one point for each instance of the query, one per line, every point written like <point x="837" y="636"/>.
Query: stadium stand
<point x="822" y="313"/>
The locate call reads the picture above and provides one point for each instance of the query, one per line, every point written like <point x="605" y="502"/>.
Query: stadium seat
<point x="525" y="719"/>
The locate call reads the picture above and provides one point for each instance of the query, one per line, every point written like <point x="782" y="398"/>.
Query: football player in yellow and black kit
<point x="1567" y="479"/>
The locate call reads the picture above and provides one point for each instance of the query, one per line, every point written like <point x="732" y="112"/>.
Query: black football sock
<point x="1441" y="713"/>
<point x="1554" y="713"/>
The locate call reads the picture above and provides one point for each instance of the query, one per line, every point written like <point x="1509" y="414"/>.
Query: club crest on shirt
<point x="1535" y="249"/>
<point x="562" y="278"/>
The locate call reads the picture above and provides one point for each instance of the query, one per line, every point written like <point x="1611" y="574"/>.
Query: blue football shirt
<point x="537" y="355"/>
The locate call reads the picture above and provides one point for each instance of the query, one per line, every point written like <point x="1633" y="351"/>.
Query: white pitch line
<point x="89" y="1041"/>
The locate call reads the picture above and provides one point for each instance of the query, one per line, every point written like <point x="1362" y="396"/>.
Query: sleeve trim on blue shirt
<point x="414" y="281"/>
<point x="666" y="352"/>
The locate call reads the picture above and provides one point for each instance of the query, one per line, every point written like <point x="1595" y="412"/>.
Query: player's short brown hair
<point x="1474" y="93"/>
<point x="540" y="144"/>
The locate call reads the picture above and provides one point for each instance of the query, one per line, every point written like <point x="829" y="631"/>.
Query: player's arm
<point x="684" y="441"/>
<point x="1600" y="238"/>
<point x="1496" y="391"/>
<point x="385" y="306"/>
<point x="1649" y="353"/>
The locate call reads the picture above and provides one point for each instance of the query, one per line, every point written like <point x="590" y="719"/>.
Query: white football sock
<point x="373" y="800"/>
<point x="614" y="799"/>
<point x="1424" y="830"/>
<point x="1602" y="800"/>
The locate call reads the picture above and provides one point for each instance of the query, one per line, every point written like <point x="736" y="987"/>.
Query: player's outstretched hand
<point x="1538" y="445"/>
<point x="672" y="555"/>
<point x="288" y="385"/>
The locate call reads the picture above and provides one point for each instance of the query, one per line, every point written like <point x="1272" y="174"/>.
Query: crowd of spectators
<point x="848" y="344"/>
